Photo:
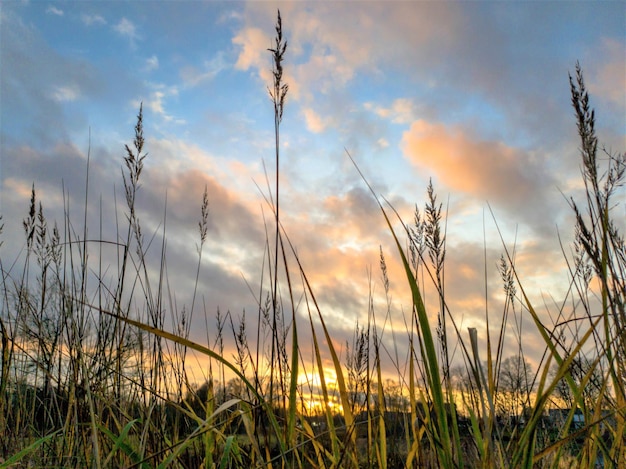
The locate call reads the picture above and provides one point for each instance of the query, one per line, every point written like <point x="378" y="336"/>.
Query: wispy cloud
<point x="66" y="93"/>
<point x="152" y="63"/>
<point x="193" y="76"/>
<point x="127" y="28"/>
<point x="382" y="142"/>
<point x="156" y="101"/>
<point x="51" y="10"/>
<point x="401" y="111"/>
<point x="314" y="122"/>
<point x="89" y="20"/>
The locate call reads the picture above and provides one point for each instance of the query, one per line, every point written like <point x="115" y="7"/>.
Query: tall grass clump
<point x="93" y="376"/>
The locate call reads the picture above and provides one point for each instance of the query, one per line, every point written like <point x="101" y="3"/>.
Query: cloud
<point x="51" y="10"/>
<point x="253" y="43"/>
<point x="609" y="81"/>
<point x="89" y="20"/>
<point x="63" y="164"/>
<point x="152" y="63"/>
<point x="452" y="70"/>
<point x="337" y="245"/>
<point x="127" y="28"/>
<point x="401" y="111"/>
<point x="235" y="242"/>
<point x="193" y="76"/>
<point x="232" y="221"/>
<point x="157" y="99"/>
<point x="314" y="122"/>
<point x="253" y="55"/>
<point x="36" y="77"/>
<point x="330" y="42"/>
<point x="459" y="63"/>
<point x="66" y="93"/>
<point x="486" y="170"/>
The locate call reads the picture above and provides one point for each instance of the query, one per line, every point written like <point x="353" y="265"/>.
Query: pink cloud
<point x="314" y="122"/>
<point x="487" y="170"/>
<point x="254" y="43"/>
<point x="610" y="81"/>
<point x="330" y="42"/>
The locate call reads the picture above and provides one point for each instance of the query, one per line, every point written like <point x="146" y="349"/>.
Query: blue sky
<point x="474" y="95"/>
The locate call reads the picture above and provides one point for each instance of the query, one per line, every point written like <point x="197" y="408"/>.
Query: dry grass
<point x="92" y="378"/>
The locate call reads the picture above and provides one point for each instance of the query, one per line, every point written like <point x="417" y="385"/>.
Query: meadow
<point x="93" y="376"/>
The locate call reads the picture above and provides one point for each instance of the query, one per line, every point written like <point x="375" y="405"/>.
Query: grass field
<point x="93" y="377"/>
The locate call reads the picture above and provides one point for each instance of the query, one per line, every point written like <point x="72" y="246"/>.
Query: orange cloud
<point x="330" y="41"/>
<point x="254" y="44"/>
<point x="18" y="188"/>
<point x="401" y="111"/>
<point x="314" y="122"/>
<point x="488" y="170"/>
<point x="252" y="53"/>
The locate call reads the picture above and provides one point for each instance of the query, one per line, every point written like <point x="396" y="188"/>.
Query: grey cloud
<point x="230" y="223"/>
<point x="31" y="78"/>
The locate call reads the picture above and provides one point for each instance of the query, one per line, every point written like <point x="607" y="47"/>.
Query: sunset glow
<point x="472" y="95"/>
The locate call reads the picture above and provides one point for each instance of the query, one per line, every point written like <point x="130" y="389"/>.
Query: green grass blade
<point x="440" y="429"/>
<point x="120" y="441"/>
<point x="230" y="447"/>
<point x="17" y="457"/>
<point x="293" y="386"/>
<point x="523" y="455"/>
<point x="381" y="445"/>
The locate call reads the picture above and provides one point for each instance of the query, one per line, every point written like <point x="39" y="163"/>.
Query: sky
<point x="471" y="95"/>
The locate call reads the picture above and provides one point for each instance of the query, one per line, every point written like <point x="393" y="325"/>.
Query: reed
<point x="91" y="377"/>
